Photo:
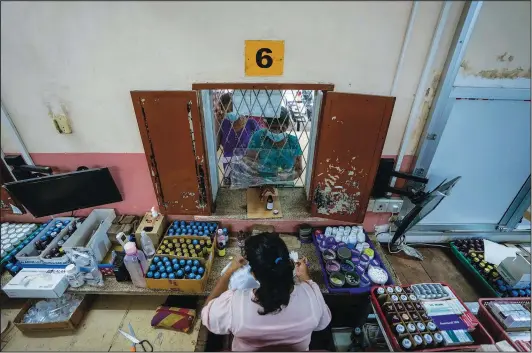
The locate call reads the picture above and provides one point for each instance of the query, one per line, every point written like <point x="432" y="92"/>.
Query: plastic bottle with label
<point x="74" y="277"/>
<point x="147" y="245"/>
<point x="136" y="264"/>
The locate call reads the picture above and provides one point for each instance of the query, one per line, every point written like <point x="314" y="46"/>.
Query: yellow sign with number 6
<point x="264" y="57"/>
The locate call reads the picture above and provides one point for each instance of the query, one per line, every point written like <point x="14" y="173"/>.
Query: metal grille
<point x="242" y="119"/>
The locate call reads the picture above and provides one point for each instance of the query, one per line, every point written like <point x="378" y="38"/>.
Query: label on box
<point x="449" y="322"/>
<point x="37" y="283"/>
<point x="437" y="308"/>
<point x="453" y="337"/>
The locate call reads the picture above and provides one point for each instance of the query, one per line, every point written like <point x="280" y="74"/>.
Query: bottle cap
<point x="130" y="248"/>
<point x="71" y="269"/>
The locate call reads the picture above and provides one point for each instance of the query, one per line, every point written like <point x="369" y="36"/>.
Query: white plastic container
<point x="74" y="277"/>
<point x="136" y="264"/>
<point x="147" y="245"/>
<point x="361" y="237"/>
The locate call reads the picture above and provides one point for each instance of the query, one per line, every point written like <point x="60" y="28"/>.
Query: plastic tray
<point x="348" y="290"/>
<point x="475" y="273"/>
<point x="490" y="322"/>
<point x="31" y="259"/>
<point x="480" y="334"/>
<point x="31" y="236"/>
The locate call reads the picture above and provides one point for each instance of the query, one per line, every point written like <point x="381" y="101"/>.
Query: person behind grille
<point x="234" y="134"/>
<point x="281" y="314"/>
<point x="277" y="153"/>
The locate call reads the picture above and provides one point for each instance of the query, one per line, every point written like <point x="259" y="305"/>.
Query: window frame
<point x="204" y="94"/>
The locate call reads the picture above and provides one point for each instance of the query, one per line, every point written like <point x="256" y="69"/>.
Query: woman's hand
<point x="302" y="269"/>
<point x="237" y="262"/>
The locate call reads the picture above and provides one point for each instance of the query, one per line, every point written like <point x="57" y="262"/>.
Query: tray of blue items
<point x="348" y="259"/>
<point x="179" y="227"/>
<point x="185" y="267"/>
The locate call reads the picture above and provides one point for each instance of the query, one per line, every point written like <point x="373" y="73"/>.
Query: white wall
<point x="89" y="55"/>
<point x="498" y="53"/>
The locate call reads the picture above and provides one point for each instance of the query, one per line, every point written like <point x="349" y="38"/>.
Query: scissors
<point x="134" y="340"/>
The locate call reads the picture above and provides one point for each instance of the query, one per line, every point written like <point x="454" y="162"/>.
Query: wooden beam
<point x="236" y="85"/>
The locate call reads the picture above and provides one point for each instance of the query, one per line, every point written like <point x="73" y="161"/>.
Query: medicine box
<point x="37" y="283"/>
<point x="516" y="270"/>
<point x="91" y="235"/>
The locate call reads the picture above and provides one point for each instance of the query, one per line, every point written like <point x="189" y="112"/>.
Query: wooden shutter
<point x="172" y="135"/>
<point x="351" y="136"/>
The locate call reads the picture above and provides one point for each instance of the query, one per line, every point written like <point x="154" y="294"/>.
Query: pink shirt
<point x="289" y="330"/>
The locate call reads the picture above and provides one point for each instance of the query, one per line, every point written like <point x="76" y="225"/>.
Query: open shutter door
<point x="172" y="135"/>
<point x="351" y="136"/>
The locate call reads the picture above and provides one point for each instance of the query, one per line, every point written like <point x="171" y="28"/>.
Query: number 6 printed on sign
<point x="264" y="57"/>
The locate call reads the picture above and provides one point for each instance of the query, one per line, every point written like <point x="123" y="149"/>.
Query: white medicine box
<point x="37" y="283"/>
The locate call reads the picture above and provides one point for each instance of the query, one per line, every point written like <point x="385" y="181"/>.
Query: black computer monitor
<point x="66" y="192"/>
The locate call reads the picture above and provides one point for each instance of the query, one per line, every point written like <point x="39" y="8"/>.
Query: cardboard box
<point x="154" y="228"/>
<point x="91" y="235"/>
<point x="125" y="224"/>
<point x="71" y="324"/>
<point x="37" y="283"/>
<point x="184" y="285"/>
<point x="516" y="270"/>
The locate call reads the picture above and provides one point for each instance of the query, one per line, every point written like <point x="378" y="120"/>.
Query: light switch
<point x="60" y="121"/>
<point x="62" y="124"/>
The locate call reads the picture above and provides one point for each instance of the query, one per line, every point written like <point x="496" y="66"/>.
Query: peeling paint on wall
<point x="424" y="114"/>
<point x="496" y="73"/>
<point x="504" y="73"/>
<point x="332" y="198"/>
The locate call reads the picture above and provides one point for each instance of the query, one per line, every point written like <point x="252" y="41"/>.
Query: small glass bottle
<point x="269" y="203"/>
<point x="406" y="344"/>
<point x="221" y="249"/>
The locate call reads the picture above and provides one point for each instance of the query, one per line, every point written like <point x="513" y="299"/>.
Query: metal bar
<point x="490" y="93"/>
<point x="210" y="137"/>
<point x="517" y="208"/>
<point x="452" y="227"/>
<point x="318" y="98"/>
<point x="438" y="113"/>
<point x="263" y="86"/>
<point x="420" y="92"/>
<point x="413" y="237"/>
<point x="6" y="119"/>
<point x="407" y="176"/>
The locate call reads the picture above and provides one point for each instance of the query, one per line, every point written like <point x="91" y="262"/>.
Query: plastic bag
<point x="255" y="167"/>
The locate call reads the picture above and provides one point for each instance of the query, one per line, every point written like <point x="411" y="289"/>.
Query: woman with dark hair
<point x="279" y="315"/>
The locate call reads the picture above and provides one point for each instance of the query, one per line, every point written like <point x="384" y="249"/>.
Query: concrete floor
<point x="99" y="329"/>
